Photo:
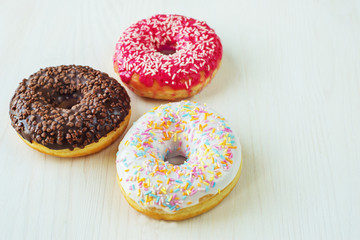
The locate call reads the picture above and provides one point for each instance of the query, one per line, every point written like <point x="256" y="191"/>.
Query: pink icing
<point x="169" y="49"/>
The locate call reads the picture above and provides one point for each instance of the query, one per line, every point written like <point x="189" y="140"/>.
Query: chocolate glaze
<point x="68" y="106"/>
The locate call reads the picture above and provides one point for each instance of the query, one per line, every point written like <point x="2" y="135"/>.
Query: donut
<point x="156" y="187"/>
<point x="69" y="111"/>
<point x="167" y="56"/>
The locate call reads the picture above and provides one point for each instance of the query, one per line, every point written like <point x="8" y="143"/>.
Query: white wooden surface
<point x="289" y="84"/>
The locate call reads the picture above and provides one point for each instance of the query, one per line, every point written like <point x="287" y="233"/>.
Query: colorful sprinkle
<point x="184" y="128"/>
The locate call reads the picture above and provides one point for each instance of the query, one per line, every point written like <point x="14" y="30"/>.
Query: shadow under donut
<point x="222" y="80"/>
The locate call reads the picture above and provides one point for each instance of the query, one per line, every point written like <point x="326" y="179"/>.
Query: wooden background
<point x="289" y="84"/>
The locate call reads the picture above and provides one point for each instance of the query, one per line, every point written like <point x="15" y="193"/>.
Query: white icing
<point x="213" y="156"/>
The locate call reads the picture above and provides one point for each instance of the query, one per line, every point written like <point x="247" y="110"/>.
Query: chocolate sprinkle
<point x="68" y="106"/>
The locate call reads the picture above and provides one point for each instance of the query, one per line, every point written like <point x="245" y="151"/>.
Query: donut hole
<point x="167" y="49"/>
<point x="67" y="101"/>
<point x="175" y="158"/>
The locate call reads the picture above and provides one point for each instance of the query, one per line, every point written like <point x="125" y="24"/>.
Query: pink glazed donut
<point x="167" y="56"/>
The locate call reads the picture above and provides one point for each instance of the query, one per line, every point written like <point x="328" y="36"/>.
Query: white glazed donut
<point x="162" y="190"/>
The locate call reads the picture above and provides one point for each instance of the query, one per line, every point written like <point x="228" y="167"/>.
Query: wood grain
<point x="289" y="84"/>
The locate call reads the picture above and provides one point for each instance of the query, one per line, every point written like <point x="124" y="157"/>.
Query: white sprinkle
<point x="187" y="87"/>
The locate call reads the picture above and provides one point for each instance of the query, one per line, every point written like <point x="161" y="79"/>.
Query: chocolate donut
<point x="69" y="111"/>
